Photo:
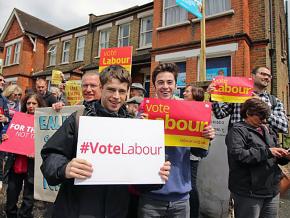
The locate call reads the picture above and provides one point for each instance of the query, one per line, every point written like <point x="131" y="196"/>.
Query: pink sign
<point x="20" y="135"/>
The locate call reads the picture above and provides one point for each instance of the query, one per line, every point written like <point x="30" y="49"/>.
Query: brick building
<point x="24" y="39"/>
<point x="240" y="34"/>
<point x="76" y="51"/>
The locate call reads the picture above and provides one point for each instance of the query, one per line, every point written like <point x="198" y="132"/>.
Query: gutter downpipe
<point x="271" y="50"/>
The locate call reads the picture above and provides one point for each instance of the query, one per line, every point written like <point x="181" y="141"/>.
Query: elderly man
<point x="137" y="89"/>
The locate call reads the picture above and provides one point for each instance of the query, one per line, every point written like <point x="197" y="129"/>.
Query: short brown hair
<point x="197" y="92"/>
<point x="115" y="72"/>
<point x="165" y="67"/>
<point x="255" y="106"/>
<point x="255" y="70"/>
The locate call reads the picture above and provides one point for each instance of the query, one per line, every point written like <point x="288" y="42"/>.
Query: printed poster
<point x="73" y="91"/>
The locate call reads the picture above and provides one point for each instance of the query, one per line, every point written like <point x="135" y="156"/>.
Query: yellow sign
<point x="73" y="91"/>
<point x="56" y="77"/>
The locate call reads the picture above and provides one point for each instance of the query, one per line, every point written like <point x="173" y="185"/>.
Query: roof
<point x="30" y="24"/>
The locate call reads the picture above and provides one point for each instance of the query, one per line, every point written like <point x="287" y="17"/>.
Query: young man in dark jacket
<point x="61" y="167"/>
<point x="41" y="89"/>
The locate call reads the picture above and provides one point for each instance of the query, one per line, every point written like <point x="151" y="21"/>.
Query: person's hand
<point x="57" y="106"/>
<point x="4" y="137"/>
<point x="144" y="116"/>
<point x="78" y="169"/>
<point x="3" y="119"/>
<point x="279" y="152"/>
<point x="208" y="132"/>
<point x="210" y="88"/>
<point x="165" y="171"/>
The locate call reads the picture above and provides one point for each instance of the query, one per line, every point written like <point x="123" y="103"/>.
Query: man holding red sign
<point x="172" y="200"/>
<point x="262" y="78"/>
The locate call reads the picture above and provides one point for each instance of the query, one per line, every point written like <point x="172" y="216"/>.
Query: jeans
<point x="149" y="208"/>
<point x="194" y="199"/>
<point x="255" y="207"/>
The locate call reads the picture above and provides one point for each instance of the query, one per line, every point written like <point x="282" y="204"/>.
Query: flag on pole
<point x="192" y="6"/>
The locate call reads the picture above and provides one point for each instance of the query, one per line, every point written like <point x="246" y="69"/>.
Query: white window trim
<point x="210" y="17"/>
<point x="49" y="51"/>
<point x="105" y="26"/>
<point x="145" y="14"/>
<point x="150" y="44"/>
<point x="63" y="51"/>
<point x="16" y="59"/>
<point x="79" y="34"/>
<point x="99" y="47"/>
<point x="123" y="21"/>
<point x="13" y="42"/>
<point x="11" y="80"/>
<point x="77" y="47"/>
<point x="8" y="63"/>
<point x="53" y="41"/>
<point x="220" y="50"/>
<point x="122" y="36"/>
<point x="66" y="38"/>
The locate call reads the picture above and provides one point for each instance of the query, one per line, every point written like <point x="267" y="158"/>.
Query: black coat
<point x="80" y="201"/>
<point x="49" y="99"/>
<point x="254" y="171"/>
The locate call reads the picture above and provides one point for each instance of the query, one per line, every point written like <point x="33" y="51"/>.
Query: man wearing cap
<point x="133" y="105"/>
<point x="137" y="89"/>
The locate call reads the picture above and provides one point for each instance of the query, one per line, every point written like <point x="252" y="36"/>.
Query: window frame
<point x="121" y="37"/>
<point x="106" y="43"/>
<point x="143" y="32"/>
<point x="8" y="55"/>
<point x="65" y="52"/>
<point x="52" y="55"/>
<point x="216" y="12"/>
<point x="164" y="24"/>
<point x="16" y="56"/>
<point x="80" y="51"/>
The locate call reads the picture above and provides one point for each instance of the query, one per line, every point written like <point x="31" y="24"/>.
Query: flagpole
<point x="202" y="72"/>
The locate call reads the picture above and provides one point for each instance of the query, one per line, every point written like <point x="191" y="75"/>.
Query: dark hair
<point x="38" y="98"/>
<point x="165" y="67"/>
<point x="255" y="70"/>
<point x="255" y="106"/>
<point x="115" y="72"/>
<point x="197" y="92"/>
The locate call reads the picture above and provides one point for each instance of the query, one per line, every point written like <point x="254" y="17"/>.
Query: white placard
<point x="122" y="151"/>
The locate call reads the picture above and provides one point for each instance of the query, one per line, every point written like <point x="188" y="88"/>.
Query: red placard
<point x="20" y="135"/>
<point x="184" y="121"/>
<point x="121" y="56"/>
<point x="232" y="89"/>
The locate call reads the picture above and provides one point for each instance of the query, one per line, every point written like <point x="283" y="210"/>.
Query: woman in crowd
<point x="254" y="155"/>
<point x="13" y="94"/>
<point x="21" y="169"/>
<point x="192" y="93"/>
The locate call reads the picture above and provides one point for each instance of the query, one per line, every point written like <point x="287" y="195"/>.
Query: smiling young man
<point x="172" y="200"/>
<point x="60" y="165"/>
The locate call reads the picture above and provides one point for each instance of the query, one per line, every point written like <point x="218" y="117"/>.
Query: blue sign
<point x="213" y="72"/>
<point x="192" y="6"/>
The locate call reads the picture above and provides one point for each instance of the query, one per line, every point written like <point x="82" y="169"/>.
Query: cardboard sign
<point x="56" y="78"/>
<point x="47" y="122"/>
<point x="20" y="135"/>
<point x="122" y="151"/>
<point x="121" y="56"/>
<point x="184" y="121"/>
<point x="73" y="91"/>
<point x="232" y="89"/>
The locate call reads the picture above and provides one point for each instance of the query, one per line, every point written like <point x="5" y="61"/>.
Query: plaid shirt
<point x="277" y="120"/>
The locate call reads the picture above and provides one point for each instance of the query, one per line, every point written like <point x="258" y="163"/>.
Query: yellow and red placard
<point x="121" y="56"/>
<point x="184" y="121"/>
<point x="20" y="135"/>
<point x="232" y="89"/>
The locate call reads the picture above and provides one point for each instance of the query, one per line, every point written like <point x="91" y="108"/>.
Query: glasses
<point x="18" y="95"/>
<point x="265" y="75"/>
<point x="92" y="86"/>
<point x="2" y="80"/>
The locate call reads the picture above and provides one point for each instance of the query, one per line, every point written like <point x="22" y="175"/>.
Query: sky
<point x="65" y="14"/>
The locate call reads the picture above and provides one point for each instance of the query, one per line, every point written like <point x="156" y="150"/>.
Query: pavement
<point x="284" y="210"/>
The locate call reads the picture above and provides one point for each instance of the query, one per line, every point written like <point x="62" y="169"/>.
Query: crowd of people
<point x="254" y="152"/>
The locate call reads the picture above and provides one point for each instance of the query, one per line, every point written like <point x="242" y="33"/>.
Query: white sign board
<point x="46" y="122"/>
<point x="122" y="151"/>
